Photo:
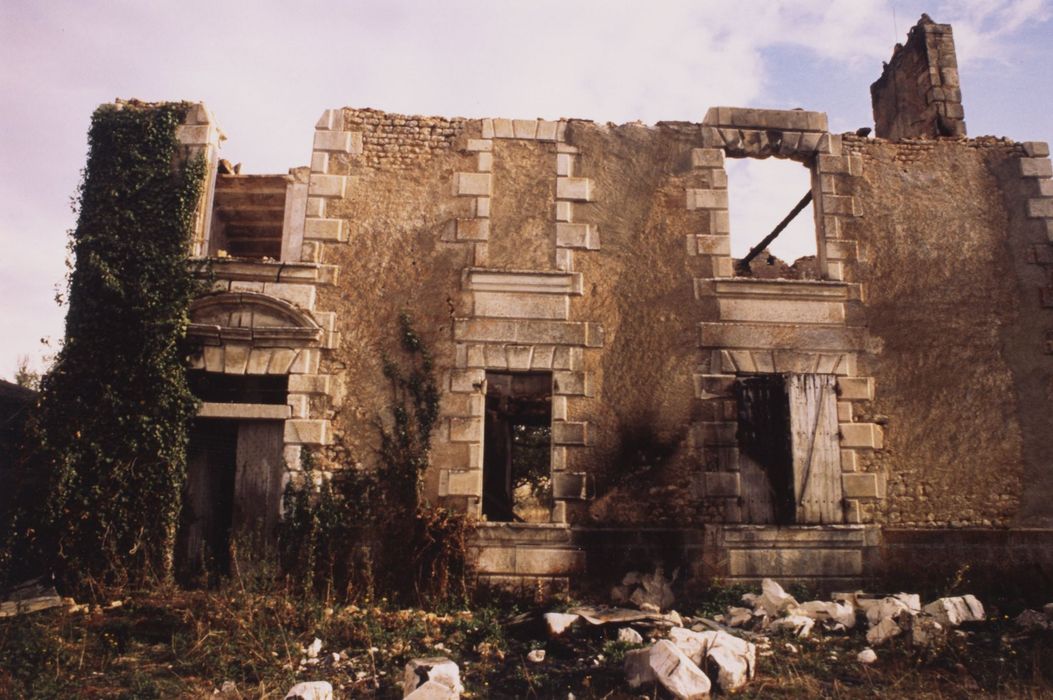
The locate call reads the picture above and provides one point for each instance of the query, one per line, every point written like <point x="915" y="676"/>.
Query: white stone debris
<point x="732" y="660"/>
<point x="800" y="625"/>
<point x="435" y="668"/>
<point x="228" y="687"/>
<point x="536" y="655"/>
<point x="628" y="635"/>
<point x="883" y="631"/>
<point x="867" y="656"/>
<point x="835" y="616"/>
<point x="432" y="690"/>
<point x="773" y="599"/>
<point x="926" y="631"/>
<point x="878" y="609"/>
<point x="737" y="617"/>
<point x="312" y="690"/>
<point x="653" y="592"/>
<point x="677" y="673"/>
<point x="314" y="648"/>
<point x="558" y="623"/>
<point x="638" y="667"/>
<point x="951" y="612"/>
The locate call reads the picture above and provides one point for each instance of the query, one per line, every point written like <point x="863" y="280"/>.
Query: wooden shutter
<point x="816" y="449"/>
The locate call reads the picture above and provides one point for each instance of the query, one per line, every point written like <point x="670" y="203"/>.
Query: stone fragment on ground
<point x="536" y="655"/>
<point x="1033" y="621"/>
<point x="731" y="660"/>
<point x="677" y="673"/>
<point x="927" y="632"/>
<point x="800" y="625"/>
<point x="628" y="635"/>
<point x="773" y="599"/>
<point x="738" y="617"/>
<point x="558" y="623"/>
<point x="311" y="690"/>
<point x="883" y="631"/>
<point x="432" y="690"/>
<point x="834" y="615"/>
<point x="867" y="656"/>
<point x="434" y="668"/>
<point x="953" y="611"/>
<point x="638" y="667"/>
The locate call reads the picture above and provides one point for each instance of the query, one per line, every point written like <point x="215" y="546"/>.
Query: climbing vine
<point x="111" y="427"/>
<point x="369" y="530"/>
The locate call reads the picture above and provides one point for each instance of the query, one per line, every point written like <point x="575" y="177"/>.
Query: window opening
<point x="517" y="439"/>
<point x="772" y="218"/>
<point x="217" y="387"/>
<point x="790" y="459"/>
<point x="248" y="216"/>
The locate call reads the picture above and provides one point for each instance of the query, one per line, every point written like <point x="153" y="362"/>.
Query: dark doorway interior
<point x="765" y="450"/>
<point x="517" y="447"/>
<point x="208" y="502"/>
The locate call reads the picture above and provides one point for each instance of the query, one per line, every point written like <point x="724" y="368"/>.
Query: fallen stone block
<point x="677" y="673"/>
<point x="883" y="631"/>
<point x="1033" y="621"/>
<point x="890" y="607"/>
<point x="638" y="667"/>
<point x="312" y="690"/>
<point x="628" y="635"/>
<point x="800" y="625"/>
<point x="435" y="668"/>
<point x="733" y="660"/>
<point x="830" y="613"/>
<point x="927" y="632"/>
<point x="653" y="590"/>
<point x="773" y="599"/>
<point x="558" y="623"/>
<point x="730" y="669"/>
<point x="536" y="655"/>
<point x="951" y="612"/>
<point x="867" y="656"/>
<point x="737" y="617"/>
<point x="432" y="690"/>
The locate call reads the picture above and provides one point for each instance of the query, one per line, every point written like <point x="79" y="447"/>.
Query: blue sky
<point x="268" y="68"/>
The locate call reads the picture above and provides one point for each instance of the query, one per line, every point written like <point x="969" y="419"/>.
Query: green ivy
<point x="111" y="428"/>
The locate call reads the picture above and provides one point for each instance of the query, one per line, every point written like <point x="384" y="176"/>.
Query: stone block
<point x="719" y="222"/>
<point x="302" y="295"/>
<point x="578" y="189"/>
<point x="855" y="388"/>
<point x="519" y="356"/>
<point x="862" y="485"/>
<point x="576" y="236"/>
<point x="245" y="411"/>
<point x="503" y="129"/>
<point x="843" y="205"/>
<point x="1040" y="208"/>
<point x="570" y="486"/>
<point x="721" y="484"/>
<point x="338" y="141"/>
<point x="309" y="383"/>
<point x="809" y="142"/>
<point x="299" y="405"/>
<point x="540" y="561"/>
<point x="844" y="411"/>
<point x="569" y="383"/>
<point x="849" y="461"/>
<point x="777" y="119"/>
<point x="564" y="164"/>
<point x="781" y="311"/>
<point x="472" y="184"/>
<point x="786" y="562"/>
<point x="564" y="259"/>
<point x="835" y="271"/>
<point x="496" y="560"/>
<point x="547" y="130"/>
<point x="479" y="145"/>
<point x="473" y="229"/>
<point x="707" y="158"/>
<point x="324" y="229"/>
<point x="186" y="134"/>
<point x="832" y="164"/>
<point x="482" y="207"/>
<point x="496" y="358"/>
<point x="567" y="358"/>
<point x="542" y="359"/>
<point x="841" y="250"/>
<point x="467" y="380"/>
<point x="532" y="306"/>
<point x="861" y="435"/>
<point x="326" y="185"/>
<point x="713" y="245"/>
<point x="305" y="362"/>
<point x="486" y="127"/>
<point x="830" y="143"/>
<point x="466" y="429"/>
<point x="299" y="431"/>
<point x="564" y="211"/>
<point x="707" y="199"/>
<point x="484" y="162"/>
<point x="524" y="128"/>
<point x="281" y="360"/>
<point x="461" y="482"/>
<point x="319" y="162"/>
<point x="1036" y="167"/>
<point x="569" y="433"/>
<point x="1036" y="149"/>
<point x="331" y="119"/>
<point x="315" y="208"/>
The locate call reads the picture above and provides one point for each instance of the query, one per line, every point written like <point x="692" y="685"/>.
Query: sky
<point x="269" y="68"/>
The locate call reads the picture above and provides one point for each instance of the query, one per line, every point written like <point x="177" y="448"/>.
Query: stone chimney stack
<point x="918" y="94"/>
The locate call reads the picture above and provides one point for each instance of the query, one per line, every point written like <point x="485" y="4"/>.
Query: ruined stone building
<point x="575" y="284"/>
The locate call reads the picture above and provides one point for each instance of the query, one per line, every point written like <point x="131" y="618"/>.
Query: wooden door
<point x="816" y="449"/>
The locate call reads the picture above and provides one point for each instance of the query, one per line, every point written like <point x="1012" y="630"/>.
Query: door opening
<point x="517" y="475"/>
<point x="789" y="450"/>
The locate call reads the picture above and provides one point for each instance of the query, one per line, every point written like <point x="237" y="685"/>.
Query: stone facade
<point x="599" y="256"/>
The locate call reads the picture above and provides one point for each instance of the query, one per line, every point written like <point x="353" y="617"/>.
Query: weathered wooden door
<point x="765" y="456"/>
<point x="816" y="449"/>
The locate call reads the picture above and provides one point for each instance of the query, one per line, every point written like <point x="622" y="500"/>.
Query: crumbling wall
<point x="944" y="305"/>
<point x="918" y="94"/>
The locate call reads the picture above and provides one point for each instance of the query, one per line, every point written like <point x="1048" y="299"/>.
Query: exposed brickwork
<point x="398" y="141"/>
